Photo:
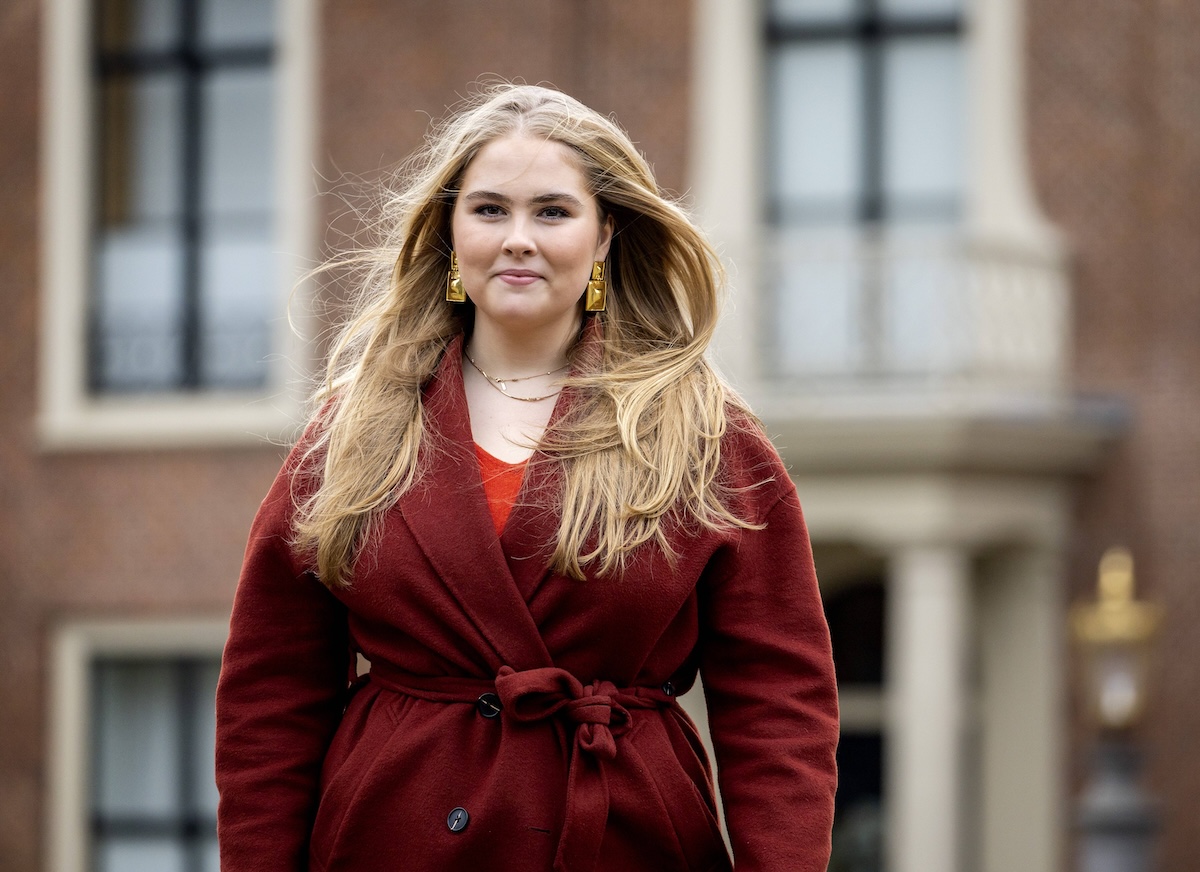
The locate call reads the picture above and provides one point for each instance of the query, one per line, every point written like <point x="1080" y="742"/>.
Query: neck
<point x="504" y="354"/>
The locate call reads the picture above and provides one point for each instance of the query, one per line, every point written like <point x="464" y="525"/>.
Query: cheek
<point x="468" y="242"/>
<point x="579" y="249"/>
<point x="458" y="231"/>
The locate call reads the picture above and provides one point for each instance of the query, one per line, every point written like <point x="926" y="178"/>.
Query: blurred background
<point x="964" y="239"/>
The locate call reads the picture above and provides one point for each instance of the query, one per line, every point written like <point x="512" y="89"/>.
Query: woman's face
<point x="527" y="230"/>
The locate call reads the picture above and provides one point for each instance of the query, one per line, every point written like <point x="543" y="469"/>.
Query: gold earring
<point x="597" y="290"/>
<point x="455" y="293"/>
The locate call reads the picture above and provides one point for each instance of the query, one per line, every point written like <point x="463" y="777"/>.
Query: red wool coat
<point x="515" y="719"/>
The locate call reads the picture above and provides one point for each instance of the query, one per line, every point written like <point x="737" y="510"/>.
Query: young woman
<point x="530" y="503"/>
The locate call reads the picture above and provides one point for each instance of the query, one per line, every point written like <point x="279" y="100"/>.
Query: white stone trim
<point x="889" y="511"/>
<point x="67" y="417"/>
<point x="724" y="167"/>
<point x="1001" y="206"/>
<point x="73" y="646"/>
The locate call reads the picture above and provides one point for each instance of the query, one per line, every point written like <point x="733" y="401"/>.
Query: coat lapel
<point x="447" y="514"/>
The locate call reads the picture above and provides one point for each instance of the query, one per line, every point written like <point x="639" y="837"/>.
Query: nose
<point x="519" y="239"/>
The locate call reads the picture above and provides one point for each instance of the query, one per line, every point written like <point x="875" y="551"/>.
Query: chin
<point x="524" y="319"/>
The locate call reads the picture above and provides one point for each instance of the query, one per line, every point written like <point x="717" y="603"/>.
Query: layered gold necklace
<point x="501" y="384"/>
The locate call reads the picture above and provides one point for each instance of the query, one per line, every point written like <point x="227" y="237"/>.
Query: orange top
<point x="501" y="484"/>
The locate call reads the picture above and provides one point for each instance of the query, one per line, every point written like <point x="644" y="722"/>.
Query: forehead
<point x="524" y="163"/>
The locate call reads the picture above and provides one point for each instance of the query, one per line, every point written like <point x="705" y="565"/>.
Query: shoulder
<point x="302" y="470"/>
<point x="751" y="468"/>
<point x="305" y="459"/>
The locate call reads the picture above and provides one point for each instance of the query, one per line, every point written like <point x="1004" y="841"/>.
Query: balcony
<point x="912" y="310"/>
<point x="919" y="348"/>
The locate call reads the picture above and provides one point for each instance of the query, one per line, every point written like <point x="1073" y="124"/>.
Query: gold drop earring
<point x="597" y="290"/>
<point x="455" y="293"/>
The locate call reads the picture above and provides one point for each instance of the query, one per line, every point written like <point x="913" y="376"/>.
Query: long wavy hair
<point x="639" y="450"/>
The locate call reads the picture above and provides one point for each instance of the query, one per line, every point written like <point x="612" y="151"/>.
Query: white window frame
<point x="69" y="417"/>
<point x="75" y="645"/>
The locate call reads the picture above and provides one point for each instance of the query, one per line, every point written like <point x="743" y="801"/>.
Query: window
<point x="183" y="269"/>
<point x="154" y="800"/>
<point x="132" y="730"/>
<point x="855" y="610"/>
<point x="865" y="155"/>
<point x="866" y="111"/>
<point x="178" y="211"/>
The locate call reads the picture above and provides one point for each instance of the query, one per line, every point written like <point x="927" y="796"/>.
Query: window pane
<point x="858" y="816"/>
<point x="856" y="620"/>
<point x="817" y="147"/>
<point x="818" y="283"/>
<point x="236" y="169"/>
<point x="237" y="260"/>
<point x="921" y="8"/>
<point x="142" y="25"/>
<point x="137" y="729"/>
<point x="204" y="799"/>
<point x="140" y="855"/>
<point x="923" y="128"/>
<point x="142" y="148"/>
<point x="225" y="23"/>
<point x="137" y="308"/>
<point x="813" y="11"/>
<point x="210" y="856"/>
<point x="239" y="283"/>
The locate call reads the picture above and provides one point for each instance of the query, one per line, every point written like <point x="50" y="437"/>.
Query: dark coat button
<point x="488" y="705"/>
<point x="457" y="820"/>
<point x="668" y="688"/>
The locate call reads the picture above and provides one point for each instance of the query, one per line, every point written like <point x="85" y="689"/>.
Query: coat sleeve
<point x="769" y="682"/>
<point x="279" y="699"/>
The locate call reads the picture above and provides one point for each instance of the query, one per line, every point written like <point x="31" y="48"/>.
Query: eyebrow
<point x="540" y="199"/>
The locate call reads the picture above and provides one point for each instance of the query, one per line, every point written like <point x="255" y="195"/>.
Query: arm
<point x="279" y="700"/>
<point x="772" y="698"/>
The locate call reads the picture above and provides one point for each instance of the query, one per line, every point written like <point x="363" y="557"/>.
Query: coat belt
<point x="597" y="713"/>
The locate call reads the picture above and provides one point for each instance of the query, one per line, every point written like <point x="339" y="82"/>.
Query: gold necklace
<point x="501" y="384"/>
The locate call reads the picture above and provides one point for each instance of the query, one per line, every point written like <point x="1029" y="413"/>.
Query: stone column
<point x="928" y="615"/>
<point x="1022" y="698"/>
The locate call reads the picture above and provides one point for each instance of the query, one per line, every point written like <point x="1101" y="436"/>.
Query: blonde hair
<point x="640" y="447"/>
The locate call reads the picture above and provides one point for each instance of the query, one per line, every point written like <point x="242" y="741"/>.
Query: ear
<point x="606" y="234"/>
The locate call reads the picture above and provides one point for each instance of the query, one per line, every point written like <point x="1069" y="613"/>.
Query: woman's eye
<point x="489" y="210"/>
<point x="555" y="212"/>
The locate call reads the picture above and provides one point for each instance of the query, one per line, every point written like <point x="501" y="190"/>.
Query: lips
<point x="518" y="276"/>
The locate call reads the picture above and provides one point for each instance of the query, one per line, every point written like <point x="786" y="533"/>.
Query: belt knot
<point x="600" y="719"/>
<point x="594" y="709"/>
<point x="598" y="711"/>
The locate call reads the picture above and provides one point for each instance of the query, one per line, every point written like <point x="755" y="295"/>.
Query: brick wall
<point x="388" y="67"/>
<point x="1114" y="110"/>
